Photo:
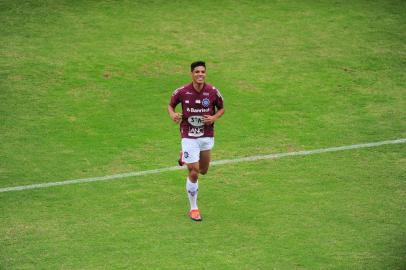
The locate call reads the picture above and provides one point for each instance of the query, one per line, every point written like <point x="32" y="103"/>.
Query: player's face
<point x="199" y="74"/>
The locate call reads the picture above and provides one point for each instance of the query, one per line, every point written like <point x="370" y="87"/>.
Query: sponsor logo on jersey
<point x="197" y="101"/>
<point x="196" y="131"/>
<point x="196" y="120"/>
<point x="187" y="101"/>
<point x="193" y="110"/>
<point x="206" y="102"/>
<point x="206" y="94"/>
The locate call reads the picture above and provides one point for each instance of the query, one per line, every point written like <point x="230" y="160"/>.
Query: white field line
<point x="214" y="163"/>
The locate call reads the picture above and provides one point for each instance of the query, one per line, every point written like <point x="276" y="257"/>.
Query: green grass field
<point x="84" y="87"/>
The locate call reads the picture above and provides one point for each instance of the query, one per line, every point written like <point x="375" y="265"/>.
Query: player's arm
<point x="219" y="104"/>
<point x="210" y="119"/>
<point x="175" y="100"/>
<point x="176" y="117"/>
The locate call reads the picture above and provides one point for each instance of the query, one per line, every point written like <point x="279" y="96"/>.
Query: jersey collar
<point x="201" y="91"/>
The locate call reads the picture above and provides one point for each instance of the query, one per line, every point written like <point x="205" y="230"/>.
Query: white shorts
<point x="191" y="148"/>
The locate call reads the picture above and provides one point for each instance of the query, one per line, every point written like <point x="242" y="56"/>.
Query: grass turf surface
<point x="84" y="89"/>
<point x="329" y="211"/>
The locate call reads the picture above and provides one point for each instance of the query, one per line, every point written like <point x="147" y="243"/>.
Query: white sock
<point x="192" y="189"/>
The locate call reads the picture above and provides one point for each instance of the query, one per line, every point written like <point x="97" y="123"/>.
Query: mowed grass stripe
<point x="214" y="163"/>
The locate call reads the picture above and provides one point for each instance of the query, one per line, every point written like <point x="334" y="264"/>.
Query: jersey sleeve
<point x="175" y="98"/>
<point x="219" y="103"/>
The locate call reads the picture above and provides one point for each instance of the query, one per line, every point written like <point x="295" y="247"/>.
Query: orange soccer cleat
<point x="195" y="215"/>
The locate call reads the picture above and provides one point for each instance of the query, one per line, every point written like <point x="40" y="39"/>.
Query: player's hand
<point x="177" y="117"/>
<point x="209" y="119"/>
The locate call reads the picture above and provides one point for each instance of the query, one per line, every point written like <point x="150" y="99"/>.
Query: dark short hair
<point x="197" y="64"/>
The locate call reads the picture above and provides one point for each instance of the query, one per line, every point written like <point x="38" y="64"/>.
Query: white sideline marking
<point x="214" y="163"/>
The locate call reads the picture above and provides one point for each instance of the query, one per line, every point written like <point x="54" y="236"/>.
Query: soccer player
<point x="202" y="105"/>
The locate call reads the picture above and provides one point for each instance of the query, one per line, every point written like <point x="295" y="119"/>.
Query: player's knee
<point x="193" y="175"/>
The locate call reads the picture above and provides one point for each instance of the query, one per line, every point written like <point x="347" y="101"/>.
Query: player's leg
<point x="204" y="161"/>
<point x="205" y="144"/>
<point x="193" y="173"/>
<point x="191" y="155"/>
<point x="192" y="189"/>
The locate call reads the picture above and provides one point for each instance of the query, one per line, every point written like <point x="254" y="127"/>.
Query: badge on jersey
<point x="206" y="102"/>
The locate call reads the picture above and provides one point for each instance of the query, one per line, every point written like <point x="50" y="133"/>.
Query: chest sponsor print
<point x="193" y="110"/>
<point x="196" y="120"/>
<point x="196" y="131"/>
